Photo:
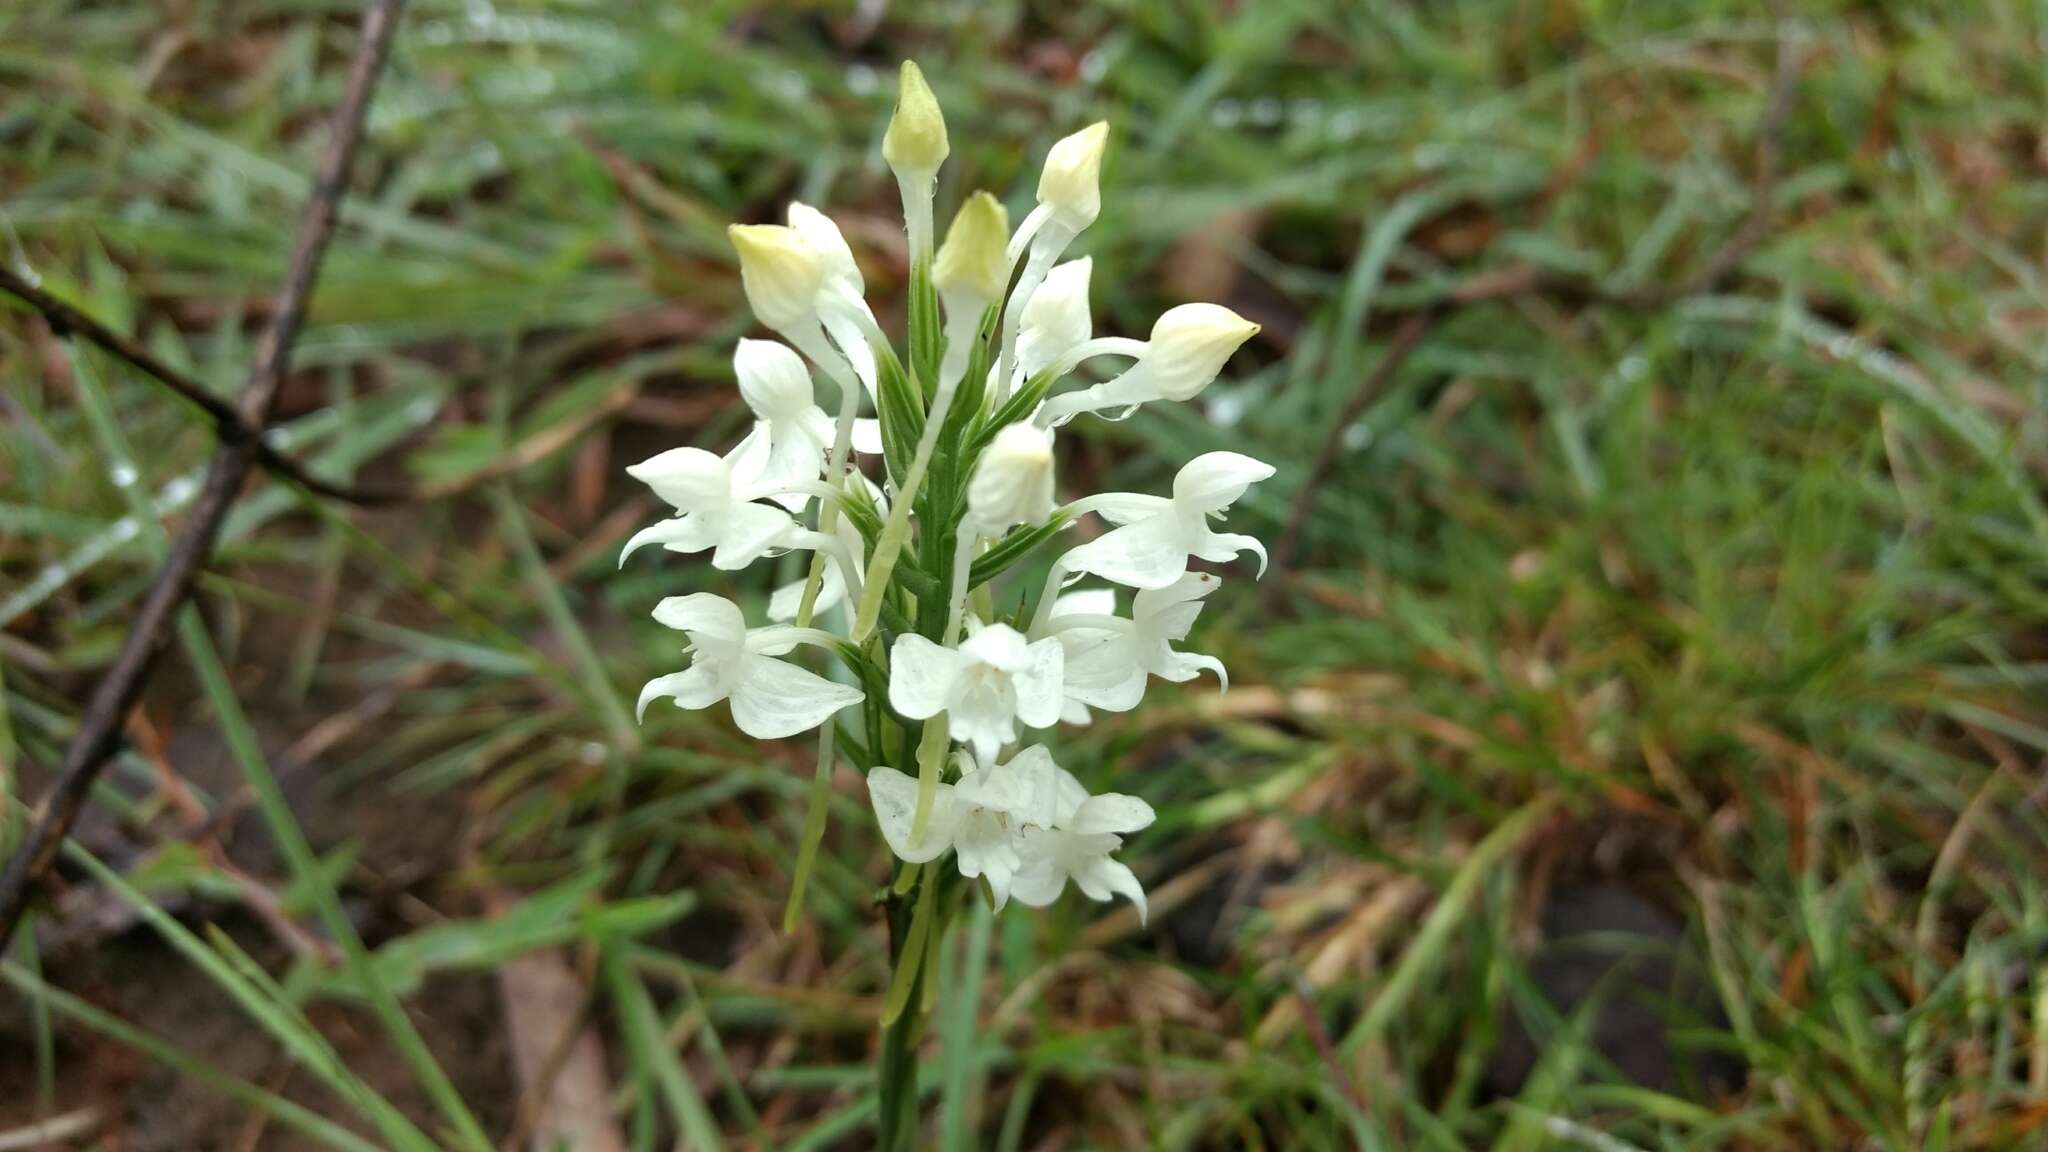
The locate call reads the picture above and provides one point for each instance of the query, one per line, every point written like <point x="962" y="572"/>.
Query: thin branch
<point x="99" y="731"/>
<point x="67" y="320"/>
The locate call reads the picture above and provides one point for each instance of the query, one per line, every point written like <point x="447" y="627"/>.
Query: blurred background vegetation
<point x="1643" y="749"/>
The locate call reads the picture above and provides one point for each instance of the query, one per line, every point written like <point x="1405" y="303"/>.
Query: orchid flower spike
<point x="1158" y="535"/>
<point x="916" y="591"/>
<point x="986" y="686"/>
<point x="771" y="698"/>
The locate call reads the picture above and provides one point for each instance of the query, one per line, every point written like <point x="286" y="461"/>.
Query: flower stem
<point x="897" y="1120"/>
<point x="813" y="345"/>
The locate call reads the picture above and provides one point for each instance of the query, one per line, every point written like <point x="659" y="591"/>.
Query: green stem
<point x="897" y="1119"/>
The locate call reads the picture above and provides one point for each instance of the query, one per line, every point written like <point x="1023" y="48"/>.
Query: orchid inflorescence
<point x="948" y="684"/>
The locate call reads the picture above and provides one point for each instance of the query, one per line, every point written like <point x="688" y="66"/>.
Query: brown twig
<point x="66" y="319"/>
<point x="100" y="729"/>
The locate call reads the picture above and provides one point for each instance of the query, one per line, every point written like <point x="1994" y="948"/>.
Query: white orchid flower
<point x="791" y="433"/>
<point x="986" y="686"/>
<point x="802" y="281"/>
<point x="1159" y="535"/>
<point x="715" y="499"/>
<point x="713" y="510"/>
<point x="1076" y="845"/>
<point x="1187" y="350"/>
<point x="979" y="817"/>
<point x="1107" y="668"/>
<point x="770" y="698"/>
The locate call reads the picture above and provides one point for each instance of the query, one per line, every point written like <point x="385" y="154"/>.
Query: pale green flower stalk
<point x="945" y="692"/>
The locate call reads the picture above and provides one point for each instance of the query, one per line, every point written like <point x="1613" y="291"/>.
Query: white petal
<point x="829" y="242"/>
<point x="1038" y="685"/>
<point x="1086" y="602"/>
<point x="867" y="436"/>
<point x="751" y="532"/>
<point x="984" y="720"/>
<point x="1105" y="676"/>
<point x="998" y="646"/>
<point x="1056" y="317"/>
<point x="1033" y="786"/>
<point x="846" y="334"/>
<point x="1217" y="547"/>
<point x="684" y="534"/>
<point x="982" y="846"/>
<point x="999" y="789"/>
<point x="1068" y="795"/>
<point x="712" y="620"/>
<point x="775" y="698"/>
<point x="1128" y="507"/>
<point x="782" y="605"/>
<point x="1111" y="812"/>
<point x="1214" y="480"/>
<point x="1040" y="880"/>
<point x="1148" y="554"/>
<point x="894" y="797"/>
<point x="1181" y="667"/>
<point x="1102" y="877"/>
<point x="921" y="675"/>
<point x="687" y="478"/>
<point x="694" y="687"/>
<point x="773" y="380"/>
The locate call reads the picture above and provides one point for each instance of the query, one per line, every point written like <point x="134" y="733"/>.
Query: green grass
<point x="1739" y="602"/>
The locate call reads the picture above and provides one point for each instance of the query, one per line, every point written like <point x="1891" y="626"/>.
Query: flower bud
<point x="773" y="380"/>
<point x="1013" y="482"/>
<point x="915" y="144"/>
<point x="970" y="264"/>
<point x="1190" y="345"/>
<point x="780" y="271"/>
<point x="1071" y="182"/>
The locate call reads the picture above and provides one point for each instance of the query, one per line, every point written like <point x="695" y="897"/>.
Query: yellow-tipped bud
<point x="915" y="144"/>
<point x="970" y="263"/>
<point x="780" y="271"/>
<point x="1072" y="180"/>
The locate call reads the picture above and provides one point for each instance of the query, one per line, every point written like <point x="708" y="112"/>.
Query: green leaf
<point x="1013" y="547"/>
